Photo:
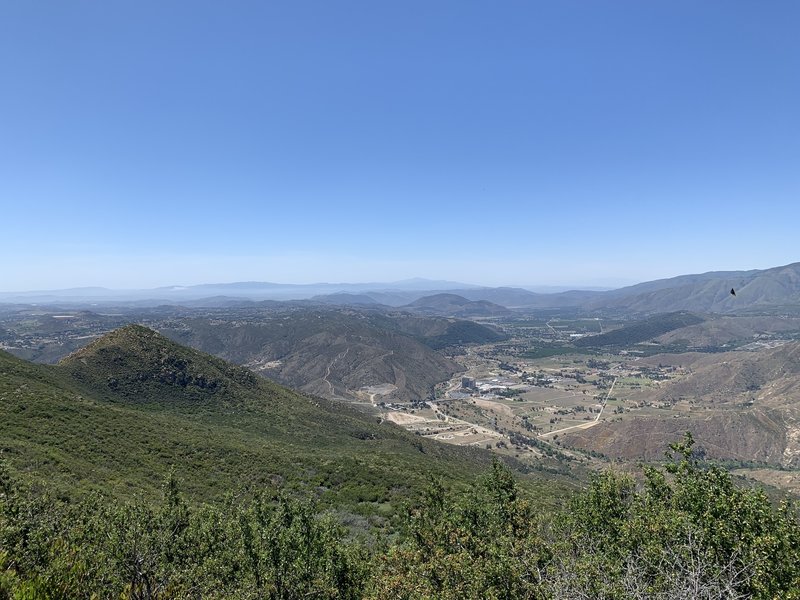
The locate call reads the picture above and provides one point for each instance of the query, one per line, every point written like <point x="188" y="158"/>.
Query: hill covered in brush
<point x="640" y="331"/>
<point x="686" y="533"/>
<point x="120" y="413"/>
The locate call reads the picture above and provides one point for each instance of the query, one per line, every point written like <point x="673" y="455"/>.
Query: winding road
<point x="328" y="371"/>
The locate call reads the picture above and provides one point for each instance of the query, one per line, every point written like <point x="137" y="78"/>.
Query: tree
<point x="689" y="532"/>
<point x="482" y="543"/>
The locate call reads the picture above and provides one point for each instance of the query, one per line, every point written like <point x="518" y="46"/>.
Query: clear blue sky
<point x="149" y="143"/>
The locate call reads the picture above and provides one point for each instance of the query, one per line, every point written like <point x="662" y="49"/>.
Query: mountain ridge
<point x="756" y="289"/>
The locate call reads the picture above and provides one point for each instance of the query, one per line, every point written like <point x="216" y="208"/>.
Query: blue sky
<point x="585" y="143"/>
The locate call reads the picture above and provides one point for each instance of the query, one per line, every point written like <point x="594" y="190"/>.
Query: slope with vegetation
<point x="640" y="331"/>
<point x="115" y="415"/>
<point x="732" y="331"/>
<point x="686" y="533"/>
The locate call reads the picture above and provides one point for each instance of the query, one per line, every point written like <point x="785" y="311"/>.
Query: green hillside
<point x="118" y="414"/>
<point x="687" y="533"/>
<point x="138" y="468"/>
<point x="640" y="331"/>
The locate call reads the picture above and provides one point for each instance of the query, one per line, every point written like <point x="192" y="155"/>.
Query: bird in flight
<point x="733" y="292"/>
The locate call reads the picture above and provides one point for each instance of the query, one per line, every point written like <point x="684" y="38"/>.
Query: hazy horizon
<point x="127" y="277"/>
<point x="387" y="283"/>
<point x="597" y="284"/>
<point x="528" y="144"/>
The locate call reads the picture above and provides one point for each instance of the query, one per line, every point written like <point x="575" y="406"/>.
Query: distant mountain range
<point x="756" y="290"/>
<point x="250" y="290"/>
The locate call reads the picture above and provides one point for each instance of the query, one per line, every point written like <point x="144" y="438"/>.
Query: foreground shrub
<point x="688" y="533"/>
<point x="481" y="544"/>
<point x="685" y="531"/>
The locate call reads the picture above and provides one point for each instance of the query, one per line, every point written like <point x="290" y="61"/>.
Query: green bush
<point x="682" y="531"/>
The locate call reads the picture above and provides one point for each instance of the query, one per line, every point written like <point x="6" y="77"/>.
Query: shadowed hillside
<point x="738" y="330"/>
<point x="640" y="331"/>
<point x="453" y="305"/>
<point x="334" y="353"/>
